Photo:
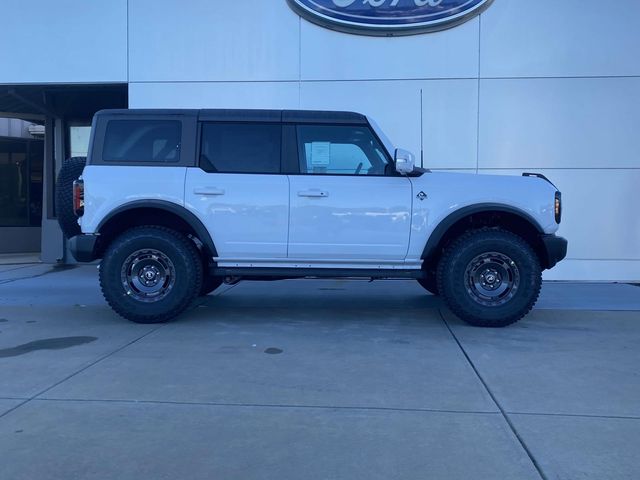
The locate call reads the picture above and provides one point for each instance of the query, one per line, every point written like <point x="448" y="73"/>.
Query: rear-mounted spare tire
<point x="70" y="172"/>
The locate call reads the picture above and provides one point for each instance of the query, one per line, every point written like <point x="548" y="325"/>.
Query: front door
<point x="239" y="193"/>
<point x="348" y="206"/>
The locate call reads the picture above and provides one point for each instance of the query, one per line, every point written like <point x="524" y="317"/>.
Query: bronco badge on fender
<point x="388" y="17"/>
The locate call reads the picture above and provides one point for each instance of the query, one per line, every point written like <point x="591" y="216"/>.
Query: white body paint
<point x="314" y="221"/>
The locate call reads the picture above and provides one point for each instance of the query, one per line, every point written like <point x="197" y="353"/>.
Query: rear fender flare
<point x="194" y="222"/>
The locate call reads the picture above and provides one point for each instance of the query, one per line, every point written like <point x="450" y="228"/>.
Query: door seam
<point x="406" y="254"/>
<point x="288" y="216"/>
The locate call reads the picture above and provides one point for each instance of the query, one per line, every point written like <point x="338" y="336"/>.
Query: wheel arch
<point x="483" y="215"/>
<point x="153" y="212"/>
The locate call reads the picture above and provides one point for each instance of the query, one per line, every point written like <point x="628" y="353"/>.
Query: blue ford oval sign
<point x="388" y="17"/>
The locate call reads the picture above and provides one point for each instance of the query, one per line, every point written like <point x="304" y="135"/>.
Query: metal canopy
<point x="71" y="101"/>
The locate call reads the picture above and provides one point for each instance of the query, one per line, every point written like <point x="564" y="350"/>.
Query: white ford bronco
<point x="176" y="202"/>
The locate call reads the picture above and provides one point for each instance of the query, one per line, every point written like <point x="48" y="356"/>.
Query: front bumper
<point x="83" y="247"/>
<point x="555" y="249"/>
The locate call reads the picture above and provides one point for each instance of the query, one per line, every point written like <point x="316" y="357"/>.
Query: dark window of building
<point x="142" y="141"/>
<point x="36" y="164"/>
<point x="20" y="182"/>
<point x="340" y="150"/>
<point x="241" y="147"/>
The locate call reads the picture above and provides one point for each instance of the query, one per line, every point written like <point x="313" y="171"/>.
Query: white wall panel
<point x="395" y="106"/>
<point x="450" y="123"/>
<point x="559" y="123"/>
<point x="560" y="38"/>
<point x="270" y="95"/>
<point x="600" y="214"/>
<point x="330" y="55"/>
<point x="46" y="41"/>
<point x="595" y="270"/>
<point x="174" y="40"/>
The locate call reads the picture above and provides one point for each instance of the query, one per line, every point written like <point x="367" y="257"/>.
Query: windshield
<point x="391" y="149"/>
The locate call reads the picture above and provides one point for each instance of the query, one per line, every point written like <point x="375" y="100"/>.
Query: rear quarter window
<point x="142" y="141"/>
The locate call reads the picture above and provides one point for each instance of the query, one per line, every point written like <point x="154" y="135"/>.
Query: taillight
<point x="558" y="207"/>
<point x="78" y="197"/>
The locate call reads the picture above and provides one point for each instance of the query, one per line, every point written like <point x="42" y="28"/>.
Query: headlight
<point x="558" y="207"/>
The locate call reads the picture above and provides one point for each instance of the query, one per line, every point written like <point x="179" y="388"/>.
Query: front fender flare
<point x="445" y="224"/>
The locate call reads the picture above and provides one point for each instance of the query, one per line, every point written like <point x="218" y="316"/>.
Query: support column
<point x="53" y="244"/>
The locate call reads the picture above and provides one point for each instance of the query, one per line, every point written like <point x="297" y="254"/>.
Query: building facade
<point x="544" y="86"/>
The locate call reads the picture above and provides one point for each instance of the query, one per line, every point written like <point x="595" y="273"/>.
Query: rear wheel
<point x="150" y="274"/>
<point x="489" y="277"/>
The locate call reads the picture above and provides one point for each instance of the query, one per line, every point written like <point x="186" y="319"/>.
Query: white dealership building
<point x="524" y="86"/>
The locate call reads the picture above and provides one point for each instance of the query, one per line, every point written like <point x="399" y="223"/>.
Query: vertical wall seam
<point x="299" y="62"/>
<point x="127" y="46"/>
<point x="478" y="96"/>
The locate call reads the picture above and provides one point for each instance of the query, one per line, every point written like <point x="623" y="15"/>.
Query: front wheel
<point x="489" y="277"/>
<point x="150" y="274"/>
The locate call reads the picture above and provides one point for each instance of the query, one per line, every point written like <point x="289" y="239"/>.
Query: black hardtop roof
<point x="237" y="115"/>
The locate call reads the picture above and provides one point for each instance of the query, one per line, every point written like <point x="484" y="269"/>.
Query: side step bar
<point x="314" y="272"/>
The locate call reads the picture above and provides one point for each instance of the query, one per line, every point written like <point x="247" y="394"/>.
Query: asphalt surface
<point x="315" y="380"/>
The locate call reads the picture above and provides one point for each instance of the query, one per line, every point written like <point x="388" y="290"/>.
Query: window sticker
<point x="320" y="154"/>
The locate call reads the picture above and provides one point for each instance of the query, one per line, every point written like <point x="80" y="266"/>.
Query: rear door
<point x="348" y="205"/>
<point x="238" y="192"/>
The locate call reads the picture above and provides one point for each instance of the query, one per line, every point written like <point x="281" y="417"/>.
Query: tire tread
<point x="195" y="264"/>
<point x="455" y="249"/>
<point x="71" y="170"/>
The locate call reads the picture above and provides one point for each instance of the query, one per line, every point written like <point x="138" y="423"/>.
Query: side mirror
<point x="404" y="160"/>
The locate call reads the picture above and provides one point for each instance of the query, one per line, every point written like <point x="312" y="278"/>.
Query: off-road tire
<point x="209" y="284"/>
<point x="70" y="172"/>
<point x="430" y="284"/>
<point x="452" y="277"/>
<point x="177" y="248"/>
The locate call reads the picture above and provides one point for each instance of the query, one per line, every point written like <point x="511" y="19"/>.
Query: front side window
<point x="142" y="141"/>
<point x="241" y="147"/>
<point x="340" y="150"/>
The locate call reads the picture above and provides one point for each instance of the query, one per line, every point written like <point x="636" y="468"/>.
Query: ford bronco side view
<point x="176" y="202"/>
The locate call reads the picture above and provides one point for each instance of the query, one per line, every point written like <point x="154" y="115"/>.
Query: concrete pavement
<point x="315" y="379"/>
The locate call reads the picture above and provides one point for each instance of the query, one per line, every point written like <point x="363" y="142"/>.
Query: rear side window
<point x="241" y="147"/>
<point x="142" y="141"/>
